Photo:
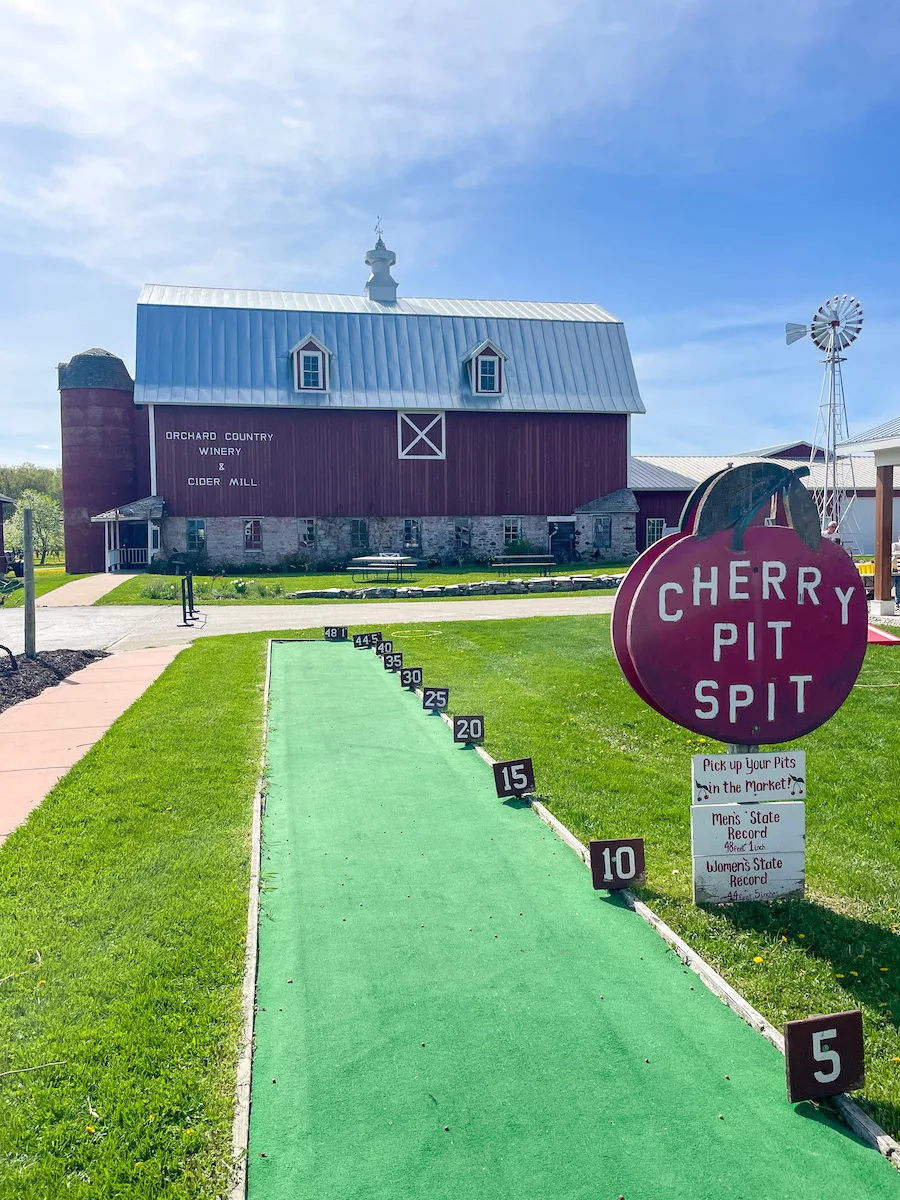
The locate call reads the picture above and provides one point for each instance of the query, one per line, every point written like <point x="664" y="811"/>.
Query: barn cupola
<point x="380" y="285"/>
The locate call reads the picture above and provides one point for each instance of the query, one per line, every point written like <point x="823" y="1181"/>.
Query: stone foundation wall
<point x="281" y="539"/>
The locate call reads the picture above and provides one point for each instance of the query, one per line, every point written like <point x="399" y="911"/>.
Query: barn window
<point x="421" y="435"/>
<point x="412" y="534"/>
<point x="311" y="370"/>
<point x="359" y="534"/>
<point x="486" y="364"/>
<point x="462" y="534"/>
<point x="512" y="529"/>
<point x="602" y="533"/>
<point x="310" y="364"/>
<point x="307" y="533"/>
<point x="253" y="534"/>
<point x="488" y="374"/>
<point x="656" y="527"/>
<point x="196" y="535"/>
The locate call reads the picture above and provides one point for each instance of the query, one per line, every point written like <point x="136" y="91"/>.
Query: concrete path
<point x="134" y="627"/>
<point x="81" y="591"/>
<point x="41" y="739"/>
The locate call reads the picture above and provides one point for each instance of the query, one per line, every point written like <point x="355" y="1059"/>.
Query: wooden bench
<point x="505" y="563"/>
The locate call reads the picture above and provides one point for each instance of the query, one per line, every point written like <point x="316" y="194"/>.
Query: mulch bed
<point x="45" y="671"/>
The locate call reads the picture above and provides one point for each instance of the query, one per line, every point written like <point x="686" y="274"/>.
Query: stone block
<point x="434" y="590"/>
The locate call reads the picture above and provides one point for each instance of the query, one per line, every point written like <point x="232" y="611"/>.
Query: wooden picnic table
<point x="375" y="565"/>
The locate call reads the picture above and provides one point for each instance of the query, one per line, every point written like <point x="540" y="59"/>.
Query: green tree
<point x="30" y="477"/>
<point x="47" y="525"/>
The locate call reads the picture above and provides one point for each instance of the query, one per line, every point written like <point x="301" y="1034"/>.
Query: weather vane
<point x="379" y="232"/>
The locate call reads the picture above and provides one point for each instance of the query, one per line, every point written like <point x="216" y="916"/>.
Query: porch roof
<point x="151" y="508"/>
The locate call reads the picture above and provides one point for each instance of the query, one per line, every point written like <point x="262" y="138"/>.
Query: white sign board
<point x="741" y="778"/>
<point x="748" y="851"/>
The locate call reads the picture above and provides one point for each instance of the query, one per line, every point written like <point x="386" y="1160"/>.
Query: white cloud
<point x="177" y="129"/>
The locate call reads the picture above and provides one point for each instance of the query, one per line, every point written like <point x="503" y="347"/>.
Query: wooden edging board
<point x="861" y="1124"/>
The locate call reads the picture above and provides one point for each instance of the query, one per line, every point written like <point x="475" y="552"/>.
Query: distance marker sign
<point x="365" y="641"/>
<point x="468" y="729"/>
<point x="760" y="644"/>
<point x="335" y="633"/>
<point x="618" y="863"/>
<point x="435" y="699"/>
<point x="514" y="778"/>
<point x="824" y="1056"/>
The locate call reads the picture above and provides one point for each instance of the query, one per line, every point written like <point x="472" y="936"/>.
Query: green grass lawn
<point x="123" y="906"/>
<point x="272" y="589"/>
<point x="46" y="579"/>
<point x="608" y="766"/>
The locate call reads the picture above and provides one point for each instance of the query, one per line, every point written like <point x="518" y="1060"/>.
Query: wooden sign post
<point x="743" y="778"/>
<point x="748" y="851"/>
<point x="745" y="633"/>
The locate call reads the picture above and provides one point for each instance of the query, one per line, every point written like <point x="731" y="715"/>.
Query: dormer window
<point x="486" y="364"/>
<point x="310" y="361"/>
<point x="312" y="374"/>
<point x="488" y="373"/>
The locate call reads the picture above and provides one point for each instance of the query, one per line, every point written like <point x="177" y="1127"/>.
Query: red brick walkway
<point x="41" y="738"/>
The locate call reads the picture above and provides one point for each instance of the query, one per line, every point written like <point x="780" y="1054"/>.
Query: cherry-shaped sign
<point x="746" y="633"/>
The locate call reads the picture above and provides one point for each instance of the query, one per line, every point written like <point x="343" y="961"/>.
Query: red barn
<point x="277" y="426"/>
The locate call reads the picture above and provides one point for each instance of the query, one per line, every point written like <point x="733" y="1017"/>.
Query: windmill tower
<point x="835" y="326"/>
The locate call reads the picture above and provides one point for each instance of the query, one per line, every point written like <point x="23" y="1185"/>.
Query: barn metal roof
<point x="888" y="432"/>
<point x="212" y="346"/>
<point x="682" y="472"/>
<point x="326" y="302"/>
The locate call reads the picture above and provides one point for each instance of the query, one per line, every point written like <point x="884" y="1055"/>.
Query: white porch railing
<point x="126" y="557"/>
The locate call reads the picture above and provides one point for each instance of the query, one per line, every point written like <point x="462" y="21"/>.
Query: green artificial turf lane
<point x="404" y="904"/>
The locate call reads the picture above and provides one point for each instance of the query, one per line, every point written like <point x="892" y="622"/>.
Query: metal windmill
<point x="835" y="326"/>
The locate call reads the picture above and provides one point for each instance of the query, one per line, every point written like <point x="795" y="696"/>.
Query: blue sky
<point x="706" y="170"/>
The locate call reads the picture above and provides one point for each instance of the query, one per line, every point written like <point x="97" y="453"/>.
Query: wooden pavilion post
<point x="884" y="516"/>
